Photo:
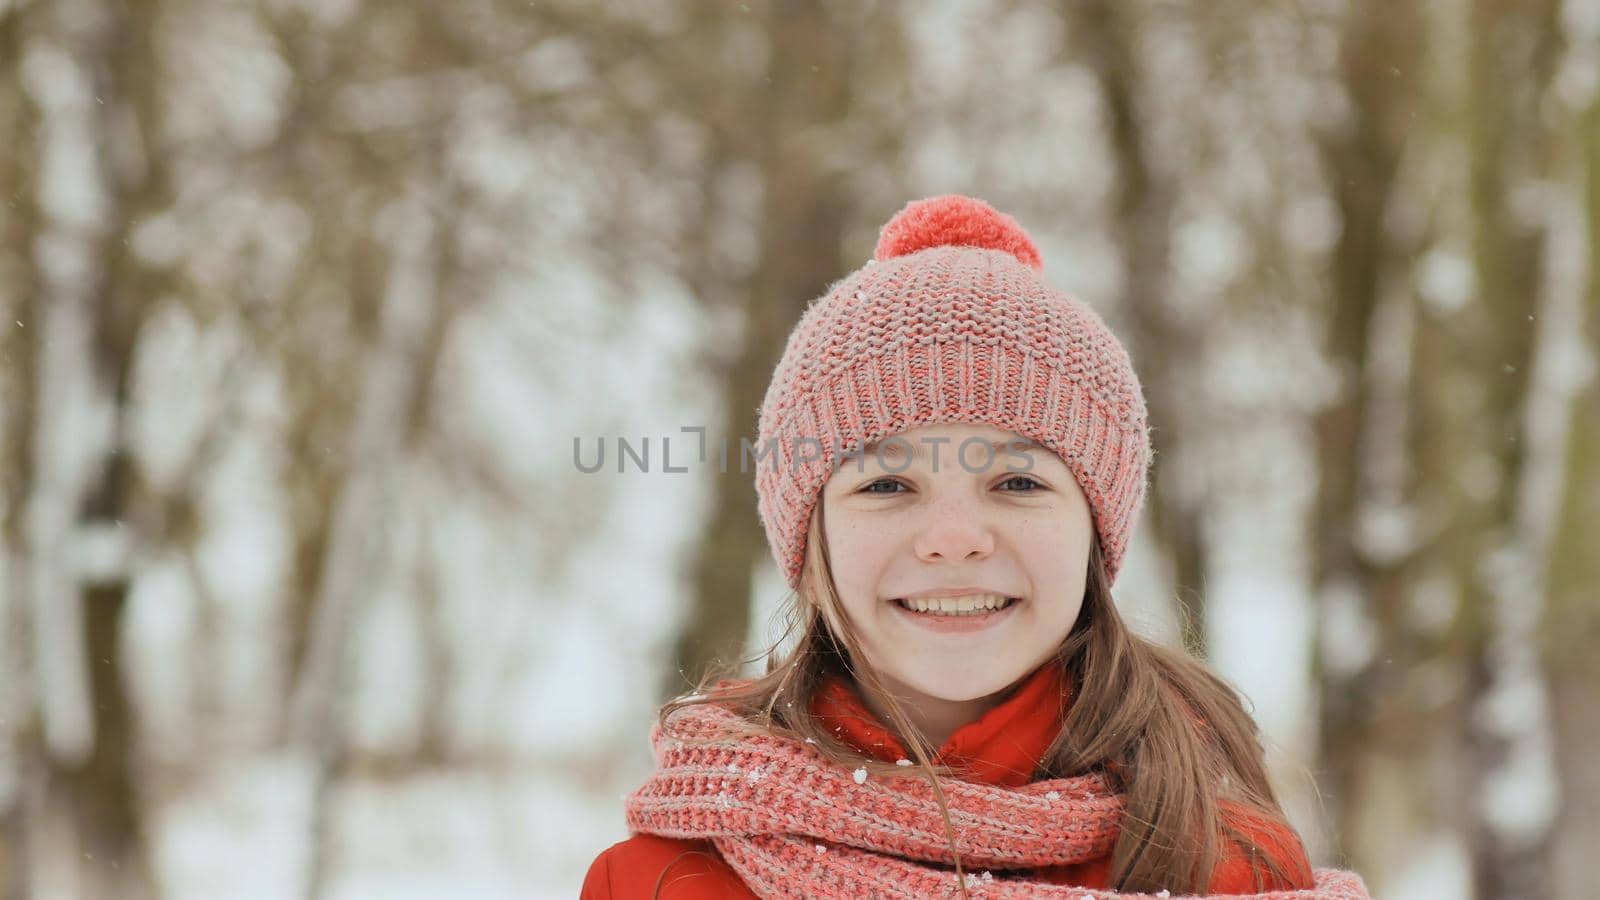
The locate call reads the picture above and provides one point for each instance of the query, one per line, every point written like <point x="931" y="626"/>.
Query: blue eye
<point x="881" y="481"/>
<point x="1029" y="485"/>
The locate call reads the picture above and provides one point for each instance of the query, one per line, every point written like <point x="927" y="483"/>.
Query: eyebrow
<point x="896" y="450"/>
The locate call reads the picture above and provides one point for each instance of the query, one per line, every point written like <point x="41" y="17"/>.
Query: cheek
<point x="856" y="544"/>
<point x="1057" y="561"/>
<point x="1061" y="539"/>
<point x="857" y="582"/>
<point x="853" y="560"/>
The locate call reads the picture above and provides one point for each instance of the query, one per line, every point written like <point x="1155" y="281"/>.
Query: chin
<point x="959" y="685"/>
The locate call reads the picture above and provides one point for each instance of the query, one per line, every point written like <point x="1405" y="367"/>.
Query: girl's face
<point x="953" y="515"/>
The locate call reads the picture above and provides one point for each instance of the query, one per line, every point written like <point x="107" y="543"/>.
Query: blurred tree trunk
<point x="1514" y="49"/>
<point x="20" y="746"/>
<point x="359" y="545"/>
<point x="1571" y="625"/>
<point x="1403" y="739"/>
<point x="730" y="542"/>
<point x="1357" y="694"/>
<point x="1163" y="350"/>
<point x="805" y="210"/>
<point x="344" y="269"/>
<point x="99" y="790"/>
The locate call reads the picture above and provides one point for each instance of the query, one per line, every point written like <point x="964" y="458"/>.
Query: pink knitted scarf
<point x="793" y="824"/>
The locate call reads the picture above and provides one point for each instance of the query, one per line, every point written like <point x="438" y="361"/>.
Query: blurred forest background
<point x="304" y="303"/>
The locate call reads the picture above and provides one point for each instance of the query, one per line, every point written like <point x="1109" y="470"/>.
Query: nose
<point x="954" y="532"/>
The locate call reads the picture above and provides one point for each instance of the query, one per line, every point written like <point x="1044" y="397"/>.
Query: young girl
<point x="952" y="455"/>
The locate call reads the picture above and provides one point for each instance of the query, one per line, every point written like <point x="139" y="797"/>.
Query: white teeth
<point x="970" y="605"/>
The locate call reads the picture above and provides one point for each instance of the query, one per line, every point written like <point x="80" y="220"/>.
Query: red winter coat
<point x="1002" y="747"/>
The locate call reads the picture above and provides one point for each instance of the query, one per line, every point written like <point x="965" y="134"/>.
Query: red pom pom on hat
<point x="954" y="220"/>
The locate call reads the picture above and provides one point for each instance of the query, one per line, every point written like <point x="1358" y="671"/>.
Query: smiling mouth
<point x="957" y="607"/>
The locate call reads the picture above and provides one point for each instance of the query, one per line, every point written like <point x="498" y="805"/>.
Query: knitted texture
<point x="952" y="321"/>
<point x="792" y="823"/>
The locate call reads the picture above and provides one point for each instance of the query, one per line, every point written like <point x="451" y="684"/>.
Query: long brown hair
<point x="1173" y="735"/>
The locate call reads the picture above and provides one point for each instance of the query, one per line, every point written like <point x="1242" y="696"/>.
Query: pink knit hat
<point x="951" y="321"/>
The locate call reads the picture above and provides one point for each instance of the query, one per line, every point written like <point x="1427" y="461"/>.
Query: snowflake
<point x="821" y="849"/>
<point x="973" y="881"/>
<point x="860" y="776"/>
<point x="1053" y="795"/>
<point x="811" y="740"/>
<point x="902" y="762"/>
